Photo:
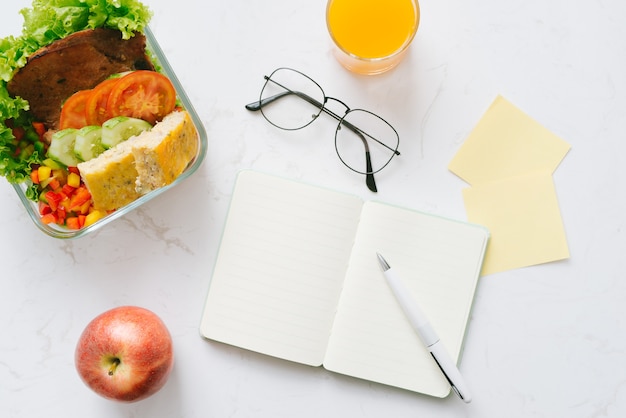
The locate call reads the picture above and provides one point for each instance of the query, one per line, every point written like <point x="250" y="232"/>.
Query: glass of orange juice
<point x="371" y="36"/>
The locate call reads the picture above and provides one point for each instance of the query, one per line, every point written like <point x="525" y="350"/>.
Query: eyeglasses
<point x="291" y="100"/>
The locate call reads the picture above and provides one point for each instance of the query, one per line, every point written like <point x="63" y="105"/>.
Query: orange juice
<point x="376" y="32"/>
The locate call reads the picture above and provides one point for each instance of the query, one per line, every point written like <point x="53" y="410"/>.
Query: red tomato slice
<point x="73" y="111"/>
<point x="96" y="107"/>
<point x="142" y="94"/>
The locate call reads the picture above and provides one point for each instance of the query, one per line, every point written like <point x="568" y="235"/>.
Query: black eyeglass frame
<point x="369" y="173"/>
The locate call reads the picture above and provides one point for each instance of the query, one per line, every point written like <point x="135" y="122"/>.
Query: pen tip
<point x="383" y="262"/>
<point x="465" y="397"/>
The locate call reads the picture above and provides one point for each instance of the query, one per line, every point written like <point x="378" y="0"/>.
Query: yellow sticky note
<point x="506" y="142"/>
<point x="522" y="213"/>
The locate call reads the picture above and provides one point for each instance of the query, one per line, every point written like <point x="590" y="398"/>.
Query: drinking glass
<point x="371" y="36"/>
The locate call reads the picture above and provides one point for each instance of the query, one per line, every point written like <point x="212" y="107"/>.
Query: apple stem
<point x="116" y="362"/>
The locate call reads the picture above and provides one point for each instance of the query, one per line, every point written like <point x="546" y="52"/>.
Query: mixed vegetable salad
<point x="91" y="120"/>
<point x="126" y="105"/>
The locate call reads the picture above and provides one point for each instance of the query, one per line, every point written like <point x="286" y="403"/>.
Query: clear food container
<point x="58" y="231"/>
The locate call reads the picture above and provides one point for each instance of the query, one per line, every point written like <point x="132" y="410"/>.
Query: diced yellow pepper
<point x="84" y="209"/>
<point x="94" y="216"/>
<point x="65" y="203"/>
<point x="73" y="180"/>
<point x="44" y="172"/>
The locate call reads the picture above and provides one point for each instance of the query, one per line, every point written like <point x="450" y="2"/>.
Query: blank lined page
<point x="280" y="267"/>
<point x="439" y="260"/>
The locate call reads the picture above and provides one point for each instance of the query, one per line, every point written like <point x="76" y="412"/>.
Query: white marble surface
<point x="544" y="341"/>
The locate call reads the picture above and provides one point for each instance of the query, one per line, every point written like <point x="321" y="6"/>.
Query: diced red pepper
<point x="79" y="198"/>
<point x="65" y="199"/>
<point x="72" y="222"/>
<point x="49" y="218"/>
<point x="54" y="184"/>
<point x="53" y="199"/>
<point x="44" y="208"/>
<point x="40" y="128"/>
<point x="61" y="215"/>
<point x="67" y="189"/>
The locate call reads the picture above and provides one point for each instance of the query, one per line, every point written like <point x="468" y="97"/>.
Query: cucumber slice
<point x="61" y="147"/>
<point x="121" y="128"/>
<point x="88" y="143"/>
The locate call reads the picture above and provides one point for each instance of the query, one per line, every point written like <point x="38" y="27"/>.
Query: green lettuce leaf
<point x="16" y="168"/>
<point x="49" y="20"/>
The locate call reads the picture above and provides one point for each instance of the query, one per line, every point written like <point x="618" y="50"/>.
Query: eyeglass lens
<point x="361" y="131"/>
<point x="292" y="100"/>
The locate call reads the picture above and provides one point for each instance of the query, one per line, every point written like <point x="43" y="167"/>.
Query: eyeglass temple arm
<point x="255" y="106"/>
<point x="369" y="176"/>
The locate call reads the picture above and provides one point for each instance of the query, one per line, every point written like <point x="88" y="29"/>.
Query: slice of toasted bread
<point x="110" y="177"/>
<point x="142" y="163"/>
<point x="164" y="152"/>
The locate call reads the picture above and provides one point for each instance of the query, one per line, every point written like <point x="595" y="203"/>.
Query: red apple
<point x="125" y="354"/>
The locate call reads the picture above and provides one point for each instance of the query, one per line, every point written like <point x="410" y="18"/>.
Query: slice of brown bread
<point x="142" y="163"/>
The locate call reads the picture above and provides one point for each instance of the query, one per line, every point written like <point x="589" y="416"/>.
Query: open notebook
<point x="297" y="278"/>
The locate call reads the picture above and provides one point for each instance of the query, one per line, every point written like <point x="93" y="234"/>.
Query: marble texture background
<point x="544" y="341"/>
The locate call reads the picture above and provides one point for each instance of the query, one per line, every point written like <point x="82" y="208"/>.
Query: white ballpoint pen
<point x="427" y="334"/>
